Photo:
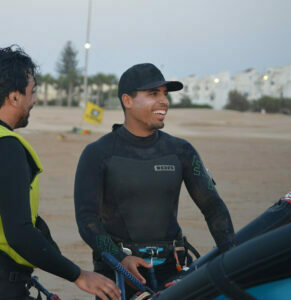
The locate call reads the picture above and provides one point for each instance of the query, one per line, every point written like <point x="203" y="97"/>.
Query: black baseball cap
<point x="143" y="77"/>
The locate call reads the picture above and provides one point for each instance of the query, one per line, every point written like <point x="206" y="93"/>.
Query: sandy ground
<point x="248" y="154"/>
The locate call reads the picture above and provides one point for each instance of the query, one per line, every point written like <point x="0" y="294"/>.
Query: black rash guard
<point x="128" y="187"/>
<point x="16" y="172"/>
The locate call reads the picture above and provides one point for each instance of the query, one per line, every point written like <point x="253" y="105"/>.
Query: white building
<point x="213" y="89"/>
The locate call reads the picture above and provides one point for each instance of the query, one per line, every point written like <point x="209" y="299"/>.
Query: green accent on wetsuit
<point x="105" y="244"/>
<point x="34" y="197"/>
<point x="199" y="170"/>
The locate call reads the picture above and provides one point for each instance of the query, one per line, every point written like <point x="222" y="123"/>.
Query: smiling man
<point x="25" y="240"/>
<point x="128" y="184"/>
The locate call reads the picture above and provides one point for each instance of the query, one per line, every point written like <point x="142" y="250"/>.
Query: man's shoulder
<point x="178" y="145"/>
<point x="12" y="152"/>
<point x="11" y="143"/>
<point x="105" y="139"/>
<point x="173" y="139"/>
<point x="102" y="145"/>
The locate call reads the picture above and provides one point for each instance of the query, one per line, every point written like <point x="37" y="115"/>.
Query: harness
<point x="157" y="252"/>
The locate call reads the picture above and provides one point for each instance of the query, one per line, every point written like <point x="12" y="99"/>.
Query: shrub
<point x="52" y="102"/>
<point x="272" y="105"/>
<point x="237" y="101"/>
<point x="187" y="103"/>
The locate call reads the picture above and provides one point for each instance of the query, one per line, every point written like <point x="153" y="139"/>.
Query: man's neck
<point x="7" y="122"/>
<point x="5" y="125"/>
<point x="7" y="116"/>
<point x="138" y="131"/>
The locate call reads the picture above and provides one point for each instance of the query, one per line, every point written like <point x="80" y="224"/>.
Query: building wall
<point x="214" y="89"/>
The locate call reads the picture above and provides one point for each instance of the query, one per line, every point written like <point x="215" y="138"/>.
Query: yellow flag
<point x="93" y="113"/>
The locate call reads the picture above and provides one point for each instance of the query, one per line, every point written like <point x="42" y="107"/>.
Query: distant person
<point x="25" y="240"/>
<point x="128" y="183"/>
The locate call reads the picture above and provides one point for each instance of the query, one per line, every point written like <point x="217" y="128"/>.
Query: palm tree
<point x="47" y="80"/>
<point x="111" y="81"/>
<point x="99" y="79"/>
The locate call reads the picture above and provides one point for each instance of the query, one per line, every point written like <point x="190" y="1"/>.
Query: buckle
<point x="151" y="252"/>
<point x="125" y="250"/>
<point x="14" y="276"/>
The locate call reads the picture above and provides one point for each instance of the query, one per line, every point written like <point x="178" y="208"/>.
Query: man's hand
<point x="98" y="285"/>
<point x="132" y="262"/>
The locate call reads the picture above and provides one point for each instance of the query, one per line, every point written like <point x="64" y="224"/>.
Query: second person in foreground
<point x="128" y="183"/>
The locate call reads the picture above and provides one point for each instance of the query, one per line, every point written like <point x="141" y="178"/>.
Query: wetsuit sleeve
<point x="15" y="212"/>
<point x="89" y="182"/>
<point x="201" y="188"/>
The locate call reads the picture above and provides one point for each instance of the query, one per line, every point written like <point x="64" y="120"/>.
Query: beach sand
<point x="248" y="154"/>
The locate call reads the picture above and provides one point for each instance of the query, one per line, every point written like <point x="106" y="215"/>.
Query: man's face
<point x="25" y="103"/>
<point x="150" y="108"/>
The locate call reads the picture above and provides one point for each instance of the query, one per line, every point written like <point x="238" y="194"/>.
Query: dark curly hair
<point x="15" y="68"/>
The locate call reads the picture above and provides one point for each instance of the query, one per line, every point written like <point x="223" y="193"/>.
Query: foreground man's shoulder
<point x="173" y="139"/>
<point x="101" y="144"/>
<point x="179" y="145"/>
<point x="12" y="144"/>
<point x="107" y="138"/>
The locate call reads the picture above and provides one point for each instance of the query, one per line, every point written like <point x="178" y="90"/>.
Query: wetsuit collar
<point x="138" y="140"/>
<point x="5" y="125"/>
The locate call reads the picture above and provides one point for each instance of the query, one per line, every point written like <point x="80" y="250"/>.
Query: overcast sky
<point x="182" y="37"/>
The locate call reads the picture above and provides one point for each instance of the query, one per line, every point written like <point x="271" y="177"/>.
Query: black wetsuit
<point x="128" y="187"/>
<point x="16" y="172"/>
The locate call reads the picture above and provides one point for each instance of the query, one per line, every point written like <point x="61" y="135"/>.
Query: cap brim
<point x="171" y="86"/>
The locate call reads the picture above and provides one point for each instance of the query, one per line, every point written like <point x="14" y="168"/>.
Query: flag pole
<point x="87" y="47"/>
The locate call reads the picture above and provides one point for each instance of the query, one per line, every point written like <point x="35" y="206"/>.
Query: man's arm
<point x="88" y="202"/>
<point x="15" y="212"/>
<point x="202" y="190"/>
<point x="27" y="240"/>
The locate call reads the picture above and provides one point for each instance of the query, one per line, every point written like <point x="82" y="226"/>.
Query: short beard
<point x="22" y="122"/>
<point x="158" y="126"/>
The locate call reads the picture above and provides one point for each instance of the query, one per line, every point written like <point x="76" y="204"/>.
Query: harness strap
<point x="14" y="276"/>
<point x="180" y="244"/>
<point x="164" y="248"/>
<point x="188" y="246"/>
<point x="216" y="273"/>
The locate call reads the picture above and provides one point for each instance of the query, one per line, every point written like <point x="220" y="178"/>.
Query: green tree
<point x="103" y="97"/>
<point x="99" y="79"/>
<point x="237" y="101"/>
<point x="68" y="71"/>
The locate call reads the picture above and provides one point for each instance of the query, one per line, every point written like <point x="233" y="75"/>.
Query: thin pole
<point x="87" y="47"/>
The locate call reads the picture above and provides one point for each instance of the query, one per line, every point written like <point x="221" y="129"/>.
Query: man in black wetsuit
<point x="25" y="240"/>
<point x="128" y="183"/>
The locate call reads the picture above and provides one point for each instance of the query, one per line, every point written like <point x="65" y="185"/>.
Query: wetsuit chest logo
<point x="164" y="168"/>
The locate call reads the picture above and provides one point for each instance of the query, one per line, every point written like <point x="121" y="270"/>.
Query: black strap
<point x="223" y="284"/>
<point x="14" y="276"/>
<point x="188" y="246"/>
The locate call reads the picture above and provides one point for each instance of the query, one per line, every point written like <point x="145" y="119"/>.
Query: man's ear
<point x="127" y="101"/>
<point x="13" y="98"/>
